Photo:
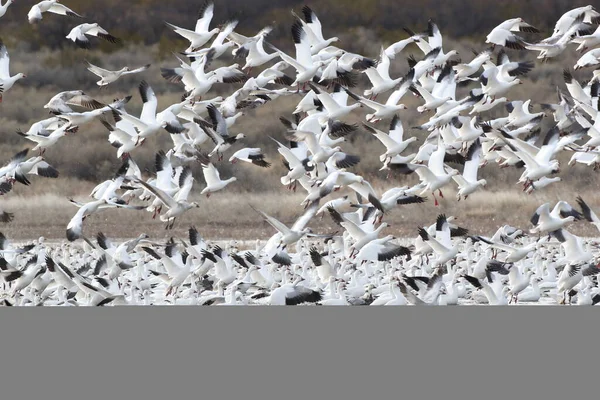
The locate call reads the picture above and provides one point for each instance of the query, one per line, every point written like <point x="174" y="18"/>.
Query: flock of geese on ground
<point x="443" y="265"/>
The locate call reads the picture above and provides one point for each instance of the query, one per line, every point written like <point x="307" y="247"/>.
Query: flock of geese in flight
<point x="443" y="265"/>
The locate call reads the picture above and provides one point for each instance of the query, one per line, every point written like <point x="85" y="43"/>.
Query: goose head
<point x="240" y="136"/>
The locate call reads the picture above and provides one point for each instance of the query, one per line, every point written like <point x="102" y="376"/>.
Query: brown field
<point x="227" y="215"/>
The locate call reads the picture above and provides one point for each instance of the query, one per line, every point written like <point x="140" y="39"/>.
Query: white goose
<point x="545" y="221"/>
<point x="177" y="205"/>
<point x="297" y="231"/>
<point x="78" y="35"/>
<point x="107" y="77"/>
<point x="200" y="35"/>
<point x="213" y="179"/>
<point x="4" y="7"/>
<point x="393" y="140"/>
<point x="467" y="182"/>
<point x="391" y="106"/>
<point x="502" y="35"/>
<point x="305" y="67"/>
<point x="52" y="6"/>
<point x="6" y="81"/>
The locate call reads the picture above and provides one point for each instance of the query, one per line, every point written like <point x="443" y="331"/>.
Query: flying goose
<point x="467" y="182"/>
<point x="200" y="35"/>
<point x="52" y="6"/>
<point x="61" y="102"/>
<point x="220" y="134"/>
<point x="176" y="205"/>
<point x="298" y="230"/>
<point x="502" y="35"/>
<point x="78" y="35"/>
<point x="6" y="81"/>
<point x="107" y="77"/>
<point x="213" y="178"/>
<point x="250" y="155"/>
<point x="4" y="7"/>
<point x="393" y="140"/>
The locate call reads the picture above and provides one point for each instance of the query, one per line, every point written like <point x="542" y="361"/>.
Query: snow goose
<point x="297" y="231"/>
<point x="176" y="264"/>
<point x="572" y="245"/>
<point x="520" y="115"/>
<point x="589" y="59"/>
<point x="493" y="298"/>
<point x="381" y="82"/>
<point x="394" y="197"/>
<point x="576" y="90"/>
<point x="147" y="125"/>
<point x="467" y="182"/>
<point x="391" y="106"/>
<point x="395" y="48"/>
<point x="538" y="161"/>
<point x="502" y="35"/>
<point x="518" y="282"/>
<point x="218" y="44"/>
<point x="213" y="179"/>
<point x="334" y="109"/>
<point x="33" y="166"/>
<point x="250" y="155"/>
<point x="571" y="275"/>
<point x="257" y="55"/>
<point x="220" y="134"/>
<point x="552" y="48"/>
<point x="178" y="205"/>
<point x="53" y="6"/>
<point x="122" y="140"/>
<point x="358" y="233"/>
<point x="107" y="77"/>
<point x="45" y="142"/>
<point x="431" y="293"/>
<point x="291" y="294"/>
<point x="431" y="101"/>
<point x="78" y="35"/>
<point x="442" y="245"/>
<point x="397" y="297"/>
<point x="307" y="131"/>
<point x="515" y="254"/>
<point x="4" y="7"/>
<point x="314" y="31"/>
<point x="587" y="41"/>
<point x="545" y="221"/>
<point x="75" y="226"/>
<point x="341" y="298"/>
<point x="305" y="67"/>
<point x="200" y="35"/>
<point x="296" y="163"/>
<point x="533" y="294"/>
<point x="434" y="176"/>
<point x="382" y="250"/>
<point x="78" y="119"/>
<point x="585" y="14"/>
<point x="61" y="102"/>
<point x="464" y="71"/>
<point x="6" y="81"/>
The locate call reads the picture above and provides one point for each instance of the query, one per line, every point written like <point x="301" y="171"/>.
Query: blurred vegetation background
<point x="53" y="63"/>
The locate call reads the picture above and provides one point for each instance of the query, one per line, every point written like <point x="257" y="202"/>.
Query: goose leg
<point x="440" y="193"/>
<point x="435" y="199"/>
